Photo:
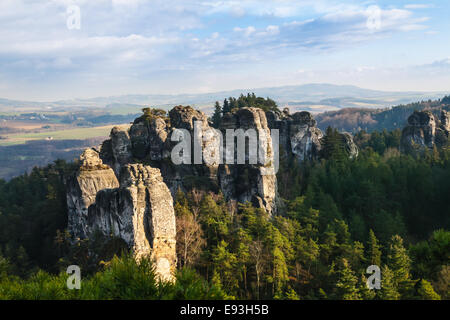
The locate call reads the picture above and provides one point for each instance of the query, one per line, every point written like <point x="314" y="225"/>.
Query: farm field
<point x="77" y="133"/>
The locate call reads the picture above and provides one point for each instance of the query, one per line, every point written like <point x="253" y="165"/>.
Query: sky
<point x="63" y="49"/>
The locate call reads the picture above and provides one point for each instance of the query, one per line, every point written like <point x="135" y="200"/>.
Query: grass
<point x="77" y="133"/>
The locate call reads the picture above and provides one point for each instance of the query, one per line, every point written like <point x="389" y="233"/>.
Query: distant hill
<point x="356" y="119"/>
<point x="310" y="97"/>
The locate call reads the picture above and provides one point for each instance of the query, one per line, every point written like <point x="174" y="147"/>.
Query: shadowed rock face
<point x="304" y="136"/>
<point x="445" y="120"/>
<point x="148" y="138"/>
<point x="82" y="188"/>
<point x="299" y="136"/>
<point x="424" y="131"/>
<point x="255" y="183"/>
<point x="120" y="147"/>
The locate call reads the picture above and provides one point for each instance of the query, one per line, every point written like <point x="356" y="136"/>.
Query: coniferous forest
<point x="338" y="217"/>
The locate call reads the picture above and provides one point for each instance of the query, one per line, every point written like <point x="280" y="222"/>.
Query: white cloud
<point x="139" y="38"/>
<point x="418" y="6"/>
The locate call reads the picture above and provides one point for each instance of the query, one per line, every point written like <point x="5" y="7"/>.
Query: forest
<point x="338" y="216"/>
<point x="357" y="119"/>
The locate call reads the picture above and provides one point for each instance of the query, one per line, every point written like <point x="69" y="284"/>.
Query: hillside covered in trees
<point x="354" y="119"/>
<point x="339" y="216"/>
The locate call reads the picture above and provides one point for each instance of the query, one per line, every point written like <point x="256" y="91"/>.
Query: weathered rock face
<point x="118" y="150"/>
<point x="138" y="210"/>
<point x="148" y="138"/>
<point x="424" y="131"/>
<point x="445" y="120"/>
<point x="350" y="145"/>
<point x="141" y="213"/>
<point x="255" y="183"/>
<point x="126" y="189"/>
<point x="304" y="136"/>
<point x="82" y="188"/>
<point x="299" y="136"/>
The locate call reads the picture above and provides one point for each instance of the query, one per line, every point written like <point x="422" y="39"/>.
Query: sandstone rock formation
<point x="300" y="137"/>
<point x="139" y="210"/>
<point x="304" y="136"/>
<point x="127" y="188"/>
<point x="83" y="187"/>
<point x="424" y="131"/>
<point x="350" y="145"/>
<point x="445" y="120"/>
<point x="255" y="183"/>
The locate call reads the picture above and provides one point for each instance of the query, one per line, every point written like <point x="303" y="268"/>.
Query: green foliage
<point x="373" y="250"/>
<point x="339" y="216"/>
<point x="244" y="101"/>
<point x="389" y="289"/>
<point x="346" y="286"/>
<point x="398" y="260"/>
<point x="217" y="116"/>
<point x="33" y="208"/>
<point x="122" y="278"/>
<point x="425" y="291"/>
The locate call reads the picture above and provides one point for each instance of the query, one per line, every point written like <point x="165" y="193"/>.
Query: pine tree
<point x="217" y="116"/>
<point x="426" y="292"/>
<point x="346" y="284"/>
<point x="388" y="286"/>
<point x="226" y="107"/>
<point x="366" y="293"/>
<point x="225" y="263"/>
<point x="373" y="249"/>
<point x="398" y="260"/>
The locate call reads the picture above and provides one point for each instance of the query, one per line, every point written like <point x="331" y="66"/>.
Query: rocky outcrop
<point x="304" y="136"/>
<point x="141" y="213"/>
<point x="127" y="188"/>
<point x="255" y="183"/>
<point x="148" y="138"/>
<point x="301" y="138"/>
<point x="350" y="145"/>
<point x="116" y="151"/>
<point x="445" y="121"/>
<point x="138" y="210"/>
<point x="424" y="131"/>
<point x="82" y="188"/>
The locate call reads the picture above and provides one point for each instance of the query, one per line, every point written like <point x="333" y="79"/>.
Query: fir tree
<point x="388" y="286"/>
<point x="425" y="291"/>
<point x="217" y="116"/>
<point x="346" y="285"/>
<point x="398" y="260"/>
<point x="373" y="250"/>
